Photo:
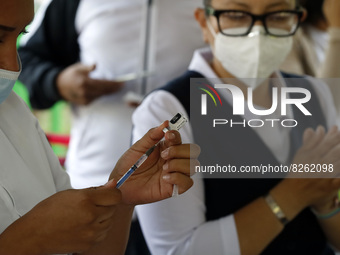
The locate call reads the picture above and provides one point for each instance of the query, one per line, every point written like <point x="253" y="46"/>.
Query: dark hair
<point x="208" y="2"/>
<point x="314" y="11"/>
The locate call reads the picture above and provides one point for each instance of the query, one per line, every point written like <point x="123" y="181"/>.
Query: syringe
<point x="175" y="123"/>
<point x="138" y="163"/>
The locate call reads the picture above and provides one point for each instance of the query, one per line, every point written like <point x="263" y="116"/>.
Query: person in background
<point x="316" y="48"/>
<point x="81" y="52"/>
<point x="248" y="39"/>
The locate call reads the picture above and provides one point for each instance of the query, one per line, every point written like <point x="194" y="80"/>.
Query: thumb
<point x="152" y="137"/>
<point x="86" y="68"/>
<point x="111" y="184"/>
<point x="91" y="67"/>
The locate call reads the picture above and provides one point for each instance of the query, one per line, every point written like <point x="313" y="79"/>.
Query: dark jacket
<point x="50" y="48"/>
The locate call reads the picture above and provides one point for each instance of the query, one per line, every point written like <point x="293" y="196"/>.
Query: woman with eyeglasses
<point x="239" y="214"/>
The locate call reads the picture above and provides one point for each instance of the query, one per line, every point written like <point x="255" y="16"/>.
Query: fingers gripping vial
<point x="175" y="123"/>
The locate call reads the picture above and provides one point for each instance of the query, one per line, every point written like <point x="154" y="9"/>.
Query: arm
<point x="298" y="192"/>
<point x="330" y="226"/>
<point x="68" y="221"/>
<point x="115" y="241"/>
<point x="50" y="47"/>
<point x="178" y="226"/>
<point x="78" y="220"/>
<point x="117" y="238"/>
<point x="50" y="55"/>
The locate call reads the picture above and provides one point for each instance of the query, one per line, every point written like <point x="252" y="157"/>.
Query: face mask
<point x="255" y="56"/>
<point x="7" y="81"/>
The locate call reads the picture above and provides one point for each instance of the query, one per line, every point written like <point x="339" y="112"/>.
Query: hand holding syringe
<point x="175" y="123"/>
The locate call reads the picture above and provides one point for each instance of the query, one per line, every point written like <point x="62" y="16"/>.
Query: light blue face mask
<point x="7" y="81"/>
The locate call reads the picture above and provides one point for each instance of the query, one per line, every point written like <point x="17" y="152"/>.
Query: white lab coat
<point x="29" y="170"/>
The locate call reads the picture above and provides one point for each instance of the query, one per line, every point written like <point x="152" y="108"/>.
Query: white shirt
<point x="178" y="225"/>
<point x="29" y="170"/>
<point x="122" y="37"/>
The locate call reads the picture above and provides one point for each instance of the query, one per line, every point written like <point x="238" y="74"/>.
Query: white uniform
<point x="29" y="170"/>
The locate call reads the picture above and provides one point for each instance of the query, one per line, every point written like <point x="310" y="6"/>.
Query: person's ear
<point x="202" y="21"/>
<point x="304" y="15"/>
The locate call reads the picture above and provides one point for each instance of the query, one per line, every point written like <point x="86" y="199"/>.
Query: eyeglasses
<point x="240" y="23"/>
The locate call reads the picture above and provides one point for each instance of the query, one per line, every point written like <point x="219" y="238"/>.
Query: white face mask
<point x="255" y="56"/>
<point x="7" y="81"/>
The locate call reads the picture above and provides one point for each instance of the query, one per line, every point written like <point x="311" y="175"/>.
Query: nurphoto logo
<point x="239" y="102"/>
<point x="204" y="98"/>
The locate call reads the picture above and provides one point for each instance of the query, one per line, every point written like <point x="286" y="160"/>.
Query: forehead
<point x="254" y="4"/>
<point x="16" y="13"/>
